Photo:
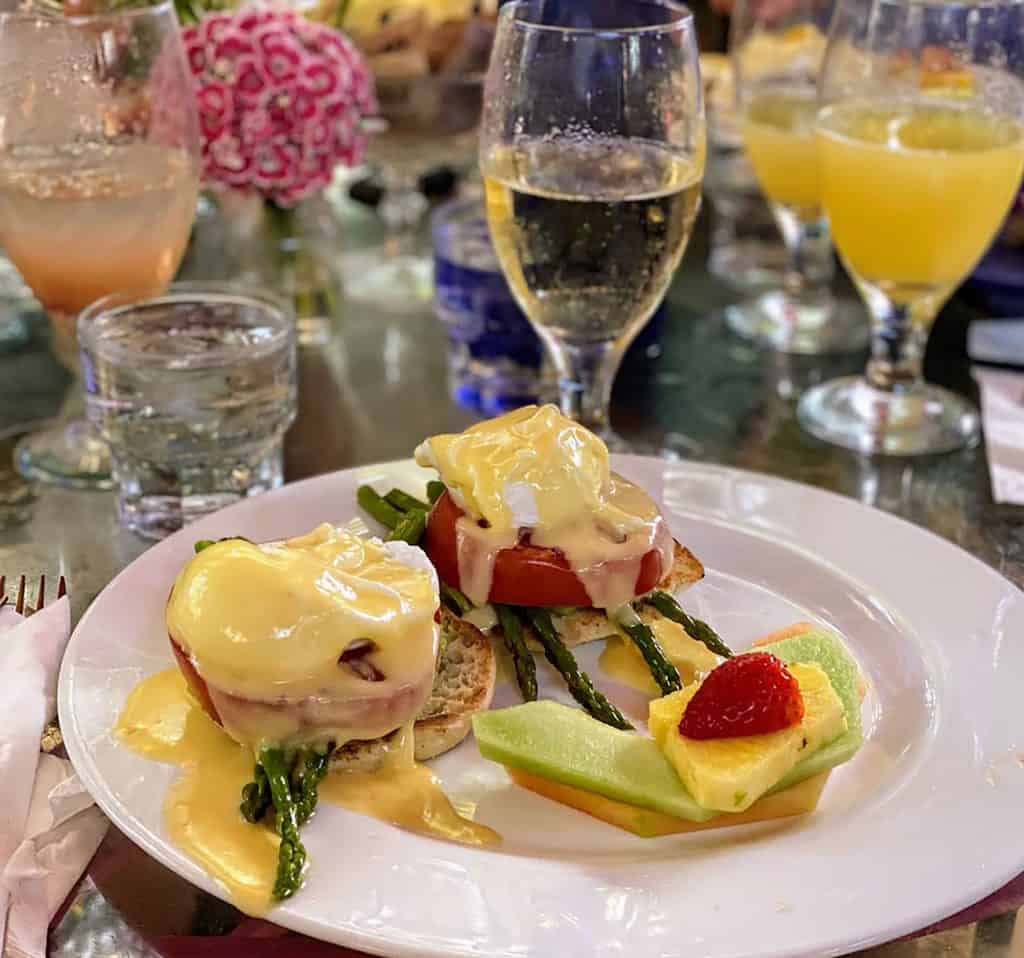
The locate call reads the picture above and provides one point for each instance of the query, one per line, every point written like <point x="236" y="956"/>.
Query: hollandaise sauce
<point x="621" y="659"/>
<point x="327" y="636"/>
<point x="408" y="795"/>
<point x="162" y="721"/>
<point x="533" y="474"/>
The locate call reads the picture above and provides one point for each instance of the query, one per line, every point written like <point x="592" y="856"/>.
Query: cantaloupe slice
<point x="798" y="800"/>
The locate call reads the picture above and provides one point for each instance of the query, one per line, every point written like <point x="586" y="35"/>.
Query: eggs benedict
<point x="533" y="515"/>
<point x="315" y="667"/>
<point x="533" y="535"/>
<point x="325" y="638"/>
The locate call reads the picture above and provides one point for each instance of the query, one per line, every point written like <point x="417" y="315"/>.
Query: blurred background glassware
<point x="98" y="181"/>
<point x="428" y="58"/>
<point x="296" y="252"/>
<point x="592" y="151"/>
<point x="15" y="297"/>
<point x="494" y="354"/>
<point x="745" y="248"/>
<point x="193" y="390"/>
<point x="776" y="49"/>
<point x="997" y="284"/>
<point x="921" y="148"/>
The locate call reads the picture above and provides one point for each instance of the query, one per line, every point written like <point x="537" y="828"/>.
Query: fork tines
<point x="20" y="605"/>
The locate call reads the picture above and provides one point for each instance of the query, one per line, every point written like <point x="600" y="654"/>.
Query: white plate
<point x="924" y="821"/>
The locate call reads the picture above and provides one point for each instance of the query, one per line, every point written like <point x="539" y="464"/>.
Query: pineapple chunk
<point x="622" y="660"/>
<point x="730" y="774"/>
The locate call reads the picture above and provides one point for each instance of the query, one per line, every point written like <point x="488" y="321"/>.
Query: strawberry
<point x="750" y="694"/>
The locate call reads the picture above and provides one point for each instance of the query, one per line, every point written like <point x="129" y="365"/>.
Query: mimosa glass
<point x="921" y="149"/>
<point x="777" y="48"/>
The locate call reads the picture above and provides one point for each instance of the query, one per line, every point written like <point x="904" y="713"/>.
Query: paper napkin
<point x="49" y="827"/>
<point x="1002" y="413"/>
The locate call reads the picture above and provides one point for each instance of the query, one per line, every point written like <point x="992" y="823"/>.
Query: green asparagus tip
<point x="406" y="503"/>
<point x="378" y="507"/>
<point x="410" y="527"/>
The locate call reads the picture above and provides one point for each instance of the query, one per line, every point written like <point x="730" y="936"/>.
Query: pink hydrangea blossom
<point x="280" y="100"/>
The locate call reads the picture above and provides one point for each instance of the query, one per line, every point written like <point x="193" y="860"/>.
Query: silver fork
<point x="52" y="740"/>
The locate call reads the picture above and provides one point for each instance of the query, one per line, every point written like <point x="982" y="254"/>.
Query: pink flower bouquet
<point x="280" y="101"/>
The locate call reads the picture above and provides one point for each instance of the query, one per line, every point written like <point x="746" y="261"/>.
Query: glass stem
<point x="585" y="376"/>
<point x="811" y="264"/>
<point x="401" y="210"/>
<point x="897" y="347"/>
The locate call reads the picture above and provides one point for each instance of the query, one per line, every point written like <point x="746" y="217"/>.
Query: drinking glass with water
<point x="193" y="390"/>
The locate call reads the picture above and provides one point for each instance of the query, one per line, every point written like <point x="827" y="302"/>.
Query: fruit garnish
<point x="750" y="694"/>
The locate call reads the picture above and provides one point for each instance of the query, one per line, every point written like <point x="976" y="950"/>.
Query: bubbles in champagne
<point x="590" y="230"/>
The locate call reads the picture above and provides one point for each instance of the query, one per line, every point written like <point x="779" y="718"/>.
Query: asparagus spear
<point x="522" y="657"/>
<point x="435" y="489"/>
<point x="256" y="796"/>
<point x="663" y="671"/>
<point x="578" y="681"/>
<point x="410" y="527"/>
<point x="378" y="507"/>
<point x="291" y="856"/>
<point x="310" y="769"/>
<point x="695" y="628"/>
<point x="455" y="600"/>
<point x="406" y="503"/>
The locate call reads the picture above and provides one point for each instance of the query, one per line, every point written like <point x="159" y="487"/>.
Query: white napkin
<point x="996" y="341"/>
<point x="49" y="827"/>
<point x="1002" y="413"/>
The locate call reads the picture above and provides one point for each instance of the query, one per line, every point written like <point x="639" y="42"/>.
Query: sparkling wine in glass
<point x="592" y="152"/>
<point x="98" y="181"/>
<point x="777" y="48"/>
<point x="921" y="147"/>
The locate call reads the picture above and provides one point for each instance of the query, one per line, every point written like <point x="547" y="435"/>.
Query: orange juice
<point x="915" y="191"/>
<point x="778" y="132"/>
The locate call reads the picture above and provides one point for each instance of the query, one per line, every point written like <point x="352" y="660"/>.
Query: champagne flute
<point x="99" y="172"/>
<point x="592" y="151"/>
<point x="777" y="48"/>
<point x="921" y="149"/>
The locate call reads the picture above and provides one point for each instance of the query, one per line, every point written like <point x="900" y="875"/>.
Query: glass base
<point x="156" y="517"/>
<point x="851" y="413"/>
<point x="748" y="264"/>
<point x="397" y="283"/>
<point x="156" y="499"/>
<point x="778" y="321"/>
<point x="67" y="454"/>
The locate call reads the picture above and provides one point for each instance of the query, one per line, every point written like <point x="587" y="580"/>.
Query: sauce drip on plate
<point x="621" y="660"/>
<point x="161" y="721"/>
<point x="406" y="794"/>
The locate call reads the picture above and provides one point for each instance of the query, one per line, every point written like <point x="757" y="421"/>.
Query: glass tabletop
<point x="374" y="391"/>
